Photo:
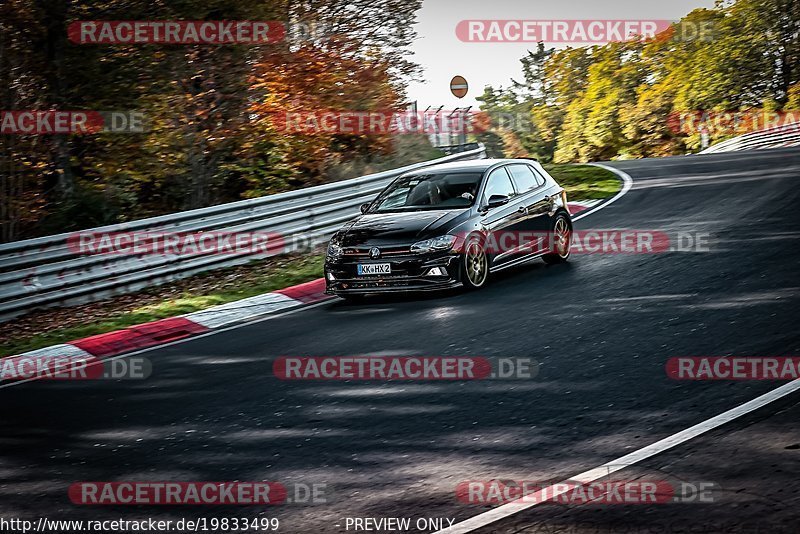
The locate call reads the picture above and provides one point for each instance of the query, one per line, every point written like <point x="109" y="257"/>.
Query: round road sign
<point x="459" y="86"/>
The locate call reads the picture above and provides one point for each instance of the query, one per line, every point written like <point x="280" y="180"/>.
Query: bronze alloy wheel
<point x="476" y="265"/>
<point x="562" y="241"/>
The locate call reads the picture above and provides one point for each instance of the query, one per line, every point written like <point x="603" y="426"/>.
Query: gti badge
<point x="374" y="253"/>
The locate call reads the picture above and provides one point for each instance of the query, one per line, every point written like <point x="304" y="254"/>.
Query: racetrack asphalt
<point x="601" y="327"/>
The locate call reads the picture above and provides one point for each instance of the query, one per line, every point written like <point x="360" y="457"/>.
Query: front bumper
<point x="410" y="272"/>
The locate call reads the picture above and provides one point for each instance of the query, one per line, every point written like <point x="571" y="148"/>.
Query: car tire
<point x="561" y="239"/>
<point x="474" y="264"/>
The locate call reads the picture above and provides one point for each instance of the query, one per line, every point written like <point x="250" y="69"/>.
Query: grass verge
<point x="585" y="182"/>
<point x="59" y="325"/>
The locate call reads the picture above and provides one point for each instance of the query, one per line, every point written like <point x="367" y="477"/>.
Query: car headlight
<point x="444" y="242"/>
<point x="335" y="251"/>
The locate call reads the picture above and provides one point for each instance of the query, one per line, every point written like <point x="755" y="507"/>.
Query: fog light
<point x="330" y="277"/>
<point x="437" y="271"/>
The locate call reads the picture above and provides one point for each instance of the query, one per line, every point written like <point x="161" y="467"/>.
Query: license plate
<point x="366" y="269"/>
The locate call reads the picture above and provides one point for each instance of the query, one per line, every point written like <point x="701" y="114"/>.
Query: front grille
<point x="385" y="251"/>
<point x="371" y="285"/>
<point x="388" y="283"/>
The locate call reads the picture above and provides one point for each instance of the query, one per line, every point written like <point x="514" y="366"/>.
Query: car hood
<point x="398" y="228"/>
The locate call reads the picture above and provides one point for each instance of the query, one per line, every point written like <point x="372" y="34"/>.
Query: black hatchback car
<point x="449" y="225"/>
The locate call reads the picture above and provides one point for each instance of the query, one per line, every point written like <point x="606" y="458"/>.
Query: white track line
<point x="509" y="509"/>
<point x="627" y="183"/>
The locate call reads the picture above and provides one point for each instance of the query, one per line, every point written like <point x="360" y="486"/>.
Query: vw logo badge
<point x="374" y="253"/>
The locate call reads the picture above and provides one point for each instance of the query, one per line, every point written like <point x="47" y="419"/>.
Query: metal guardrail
<point x="782" y="136"/>
<point x="456" y="149"/>
<point x="46" y="271"/>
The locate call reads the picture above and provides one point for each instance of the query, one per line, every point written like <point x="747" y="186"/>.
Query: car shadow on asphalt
<point x="498" y="281"/>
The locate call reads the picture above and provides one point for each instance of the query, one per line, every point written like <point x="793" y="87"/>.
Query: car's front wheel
<point x="561" y="240"/>
<point x="474" y="264"/>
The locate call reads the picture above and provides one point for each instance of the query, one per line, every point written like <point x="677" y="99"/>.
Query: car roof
<point x="468" y="165"/>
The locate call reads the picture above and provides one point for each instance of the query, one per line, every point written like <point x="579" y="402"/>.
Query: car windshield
<point x="430" y="191"/>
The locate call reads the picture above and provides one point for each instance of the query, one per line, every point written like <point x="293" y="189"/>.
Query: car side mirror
<point x="364" y="207"/>
<point x="496" y="201"/>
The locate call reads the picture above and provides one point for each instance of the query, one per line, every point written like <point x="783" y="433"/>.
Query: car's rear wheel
<point x="561" y="241"/>
<point x="474" y="265"/>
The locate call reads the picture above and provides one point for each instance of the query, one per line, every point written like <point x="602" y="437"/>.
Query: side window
<point x="498" y="183"/>
<point x="539" y="178"/>
<point x="524" y="177"/>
